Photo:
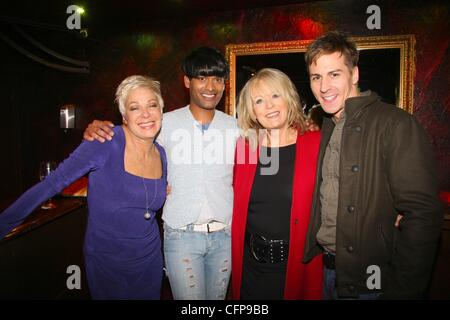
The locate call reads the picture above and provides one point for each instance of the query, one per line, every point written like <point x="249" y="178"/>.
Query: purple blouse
<point x="122" y="245"/>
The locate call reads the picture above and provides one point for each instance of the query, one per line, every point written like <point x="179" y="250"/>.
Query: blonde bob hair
<point x="133" y="82"/>
<point x="281" y="84"/>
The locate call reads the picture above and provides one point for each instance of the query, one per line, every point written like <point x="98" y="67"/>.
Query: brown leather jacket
<point x="386" y="167"/>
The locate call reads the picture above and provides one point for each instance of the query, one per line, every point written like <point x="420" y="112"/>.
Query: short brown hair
<point x="330" y="42"/>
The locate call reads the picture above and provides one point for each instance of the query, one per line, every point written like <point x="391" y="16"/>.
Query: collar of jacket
<point x="355" y="105"/>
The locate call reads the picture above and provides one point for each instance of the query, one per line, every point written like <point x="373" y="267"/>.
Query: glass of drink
<point x="45" y="168"/>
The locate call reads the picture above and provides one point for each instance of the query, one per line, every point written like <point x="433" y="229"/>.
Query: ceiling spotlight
<point x="80" y="10"/>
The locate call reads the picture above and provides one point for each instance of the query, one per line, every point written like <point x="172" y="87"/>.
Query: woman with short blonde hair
<point x="127" y="186"/>
<point x="137" y="81"/>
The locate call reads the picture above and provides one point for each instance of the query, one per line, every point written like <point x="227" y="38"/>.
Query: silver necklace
<point x="148" y="214"/>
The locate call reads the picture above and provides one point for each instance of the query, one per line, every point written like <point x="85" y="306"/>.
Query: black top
<point x="270" y="199"/>
<point x="269" y="215"/>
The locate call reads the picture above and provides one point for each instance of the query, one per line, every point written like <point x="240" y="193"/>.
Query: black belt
<point x="329" y="260"/>
<point x="267" y="250"/>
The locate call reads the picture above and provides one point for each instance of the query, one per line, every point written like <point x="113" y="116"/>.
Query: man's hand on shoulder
<point x="99" y="130"/>
<point x="311" y="125"/>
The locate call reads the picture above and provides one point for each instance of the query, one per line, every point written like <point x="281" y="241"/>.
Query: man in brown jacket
<point x="374" y="163"/>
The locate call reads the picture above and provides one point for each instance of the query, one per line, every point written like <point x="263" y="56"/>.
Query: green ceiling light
<point x="80" y="10"/>
<point x="145" y="40"/>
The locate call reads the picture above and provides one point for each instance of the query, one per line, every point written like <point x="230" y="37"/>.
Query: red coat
<point x="303" y="281"/>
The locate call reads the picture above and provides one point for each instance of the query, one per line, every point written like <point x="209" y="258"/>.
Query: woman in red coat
<point x="274" y="177"/>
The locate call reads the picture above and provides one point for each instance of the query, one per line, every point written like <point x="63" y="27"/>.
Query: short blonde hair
<point x="280" y="82"/>
<point x="133" y="82"/>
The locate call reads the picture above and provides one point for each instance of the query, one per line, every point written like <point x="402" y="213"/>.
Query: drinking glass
<point x="45" y="168"/>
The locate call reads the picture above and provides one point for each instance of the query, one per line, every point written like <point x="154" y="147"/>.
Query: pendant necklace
<point x="148" y="214"/>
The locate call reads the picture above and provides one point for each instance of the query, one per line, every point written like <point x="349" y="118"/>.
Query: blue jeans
<point x="329" y="287"/>
<point x="198" y="264"/>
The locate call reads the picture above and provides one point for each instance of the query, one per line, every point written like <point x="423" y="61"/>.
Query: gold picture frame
<point x="394" y="59"/>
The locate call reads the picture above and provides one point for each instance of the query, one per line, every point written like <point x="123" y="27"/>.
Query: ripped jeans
<point x="198" y="264"/>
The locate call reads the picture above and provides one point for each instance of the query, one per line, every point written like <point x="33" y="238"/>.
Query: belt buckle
<point x="252" y="249"/>
<point x="211" y="227"/>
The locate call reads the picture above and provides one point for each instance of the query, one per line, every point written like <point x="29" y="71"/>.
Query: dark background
<point x="152" y="37"/>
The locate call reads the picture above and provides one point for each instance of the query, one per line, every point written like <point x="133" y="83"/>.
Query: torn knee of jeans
<point x="191" y="279"/>
<point x="225" y="266"/>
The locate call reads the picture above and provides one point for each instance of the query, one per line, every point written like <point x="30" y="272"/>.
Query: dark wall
<point x="33" y="94"/>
